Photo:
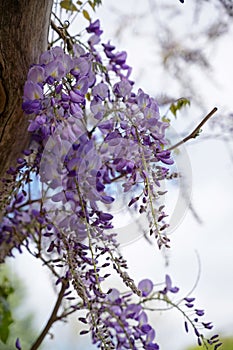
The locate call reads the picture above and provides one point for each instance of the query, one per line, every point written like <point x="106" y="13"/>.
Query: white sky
<point x="212" y="189"/>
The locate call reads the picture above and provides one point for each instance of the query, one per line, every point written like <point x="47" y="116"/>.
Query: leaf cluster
<point x="179" y="104"/>
<point x="6" y="319"/>
<point x="78" y="6"/>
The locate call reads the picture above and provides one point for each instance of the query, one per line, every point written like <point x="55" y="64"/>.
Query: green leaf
<point x="5" y="312"/>
<point x="180" y="103"/>
<point x="86" y="15"/>
<point x="68" y="5"/>
<point x="98" y="67"/>
<point x="5" y="321"/>
<point x="97" y="2"/>
<point x="94" y="3"/>
<point x="88" y="96"/>
<point x="198" y="133"/>
<point x="166" y="120"/>
<point x="91" y="3"/>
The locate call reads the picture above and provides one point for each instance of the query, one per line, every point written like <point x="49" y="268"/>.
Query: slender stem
<point x="29" y="202"/>
<point x="65" y="314"/>
<point x="194" y="133"/>
<point x="52" y="318"/>
<point x="63" y="34"/>
<point x="58" y="30"/>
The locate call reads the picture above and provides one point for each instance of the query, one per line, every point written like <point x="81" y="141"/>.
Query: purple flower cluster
<point x="198" y="325"/>
<point x="95" y="133"/>
<point x="89" y="131"/>
<point x="56" y="88"/>
<point x="124" y="323"/>
<point x="191" y="315"/>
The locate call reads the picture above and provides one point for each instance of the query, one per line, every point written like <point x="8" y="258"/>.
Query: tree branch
<point x="195" y="132"/>
<point x="63" y="34"/>
<point x="53" y="318"/>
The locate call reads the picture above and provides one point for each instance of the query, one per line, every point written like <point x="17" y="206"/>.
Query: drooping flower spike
<point x="89" y="130"/>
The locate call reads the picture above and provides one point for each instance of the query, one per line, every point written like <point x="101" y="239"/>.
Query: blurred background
<point x="176" y="50"/>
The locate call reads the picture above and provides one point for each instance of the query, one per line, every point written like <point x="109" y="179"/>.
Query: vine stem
<point x="53" y="318"/>
<point x="194" y="133"/>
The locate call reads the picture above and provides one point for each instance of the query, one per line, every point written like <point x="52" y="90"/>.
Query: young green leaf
<point x="68" y="5"/>
<point x="180" y="103"/>
<point x="86" y="15"/>
<point x="5" y="312"/>
<point x="92" y="4"/>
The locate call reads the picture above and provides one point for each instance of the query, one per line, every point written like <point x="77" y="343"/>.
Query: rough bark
<point x="24" y="28"/>
<point x="23" y="36"/>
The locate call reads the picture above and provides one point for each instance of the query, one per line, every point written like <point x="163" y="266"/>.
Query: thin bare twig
<point x="195" y="132"/>
<point x="53" y="318"/>
<point x="59" y="31"/>
<point x="63" y="34"/>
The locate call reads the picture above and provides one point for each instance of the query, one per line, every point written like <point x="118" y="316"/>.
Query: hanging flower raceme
<point x="90" y="130"/>
<point x="96" y="132"/>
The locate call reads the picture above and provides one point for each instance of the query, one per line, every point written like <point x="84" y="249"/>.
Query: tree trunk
<point x="24" y="26"/>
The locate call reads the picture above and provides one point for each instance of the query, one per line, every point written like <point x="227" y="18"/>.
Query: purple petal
<point x="105" y="216"/>
<point x="36" y="74"/>
<point x="145" y="286"/>
<point x="32" y="91"/>
<point x="189" y="300"/>
<point x="146" y="328"/>
<point x="186" y="326"/>
<point x="107" y="199"/>
<point x="100" y="90"/>
<point x="17" y="344"/>
<point x="168" y="282"/>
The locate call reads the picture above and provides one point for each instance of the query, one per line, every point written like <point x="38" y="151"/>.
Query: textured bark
<point x="24" y="28"/>
<point x="23" y="36"/>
